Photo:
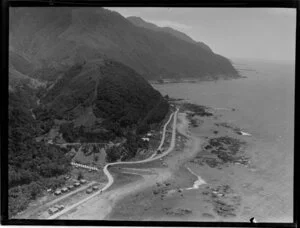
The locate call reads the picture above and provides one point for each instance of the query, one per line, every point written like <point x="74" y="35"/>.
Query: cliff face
<point x="55" y="38"/>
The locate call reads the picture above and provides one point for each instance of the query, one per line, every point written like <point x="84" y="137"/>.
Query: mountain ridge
<point x="145" y="24"/>
<point x="62" y="37"/>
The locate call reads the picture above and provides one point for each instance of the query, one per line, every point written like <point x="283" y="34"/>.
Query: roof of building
<point x="53" y="209"/>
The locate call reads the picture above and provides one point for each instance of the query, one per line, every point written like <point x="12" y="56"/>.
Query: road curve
<point x="110" y="177"/>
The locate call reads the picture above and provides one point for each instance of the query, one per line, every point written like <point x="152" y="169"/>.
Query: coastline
<point x="232" y="191"/>
<point x="194" y="80"/>
<point x="230" y="188"/>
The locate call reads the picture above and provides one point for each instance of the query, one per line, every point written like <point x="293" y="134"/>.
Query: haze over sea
<point x="264" y="103"/>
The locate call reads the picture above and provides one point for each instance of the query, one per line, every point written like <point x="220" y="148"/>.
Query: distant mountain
<point x="142" y="23"/>
<point x="52" y="39"/>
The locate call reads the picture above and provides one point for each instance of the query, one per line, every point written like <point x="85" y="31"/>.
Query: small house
<point x="64" y="189"/>
<point x="77" y="184"/>
<point x="146" y="139"/>
<point x="52" y="210"/>
<point x="70" y="187"/>
<point x="82" y="181"/>
<point x="95" y="188"/>
<point x="149" y="134"/>
<point x="67" y="177"/>
<point x="89" y="190"/>
<point x="57" y="192"/>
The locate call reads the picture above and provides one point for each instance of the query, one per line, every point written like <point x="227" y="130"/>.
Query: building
<point x="77" y="184"/>
<point x="67" y="177"/>
<point x="57" y="192"/>
<point x="146" y="139"/>
<point x="82" y="181"/>
<point x="53" y="210"/>
<point x="64" y="189"/>
<point x="96" y="187"/>
<point x="70" y="187"/>
<point x="89" y="190"/>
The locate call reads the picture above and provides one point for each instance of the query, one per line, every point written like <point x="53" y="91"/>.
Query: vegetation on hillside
<point x="86" y="33"/>
<point x="32" y="166"/>
<point x="127" y="150"/>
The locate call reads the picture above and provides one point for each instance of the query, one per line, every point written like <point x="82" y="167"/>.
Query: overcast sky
<point x="259" y="33"/>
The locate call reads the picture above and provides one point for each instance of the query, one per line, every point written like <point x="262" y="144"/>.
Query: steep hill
<point x="54" y="38"/>
<point x="144" y="24"/>
<point x="95" y="101"/>
<point x="109" y="89"/>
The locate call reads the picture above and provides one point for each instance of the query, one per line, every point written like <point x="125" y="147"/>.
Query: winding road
<point x="110" y="177"/>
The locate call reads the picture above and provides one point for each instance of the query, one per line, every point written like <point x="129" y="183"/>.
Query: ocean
<point x="264" y="104"/>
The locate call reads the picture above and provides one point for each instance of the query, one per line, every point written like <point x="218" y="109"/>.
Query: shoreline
<point x="234" y="190"/>
<point x="193" y="80"/>
<point x="231" y="190"/>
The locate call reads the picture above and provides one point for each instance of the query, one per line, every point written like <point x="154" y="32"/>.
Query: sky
<point x="251" y="33"/>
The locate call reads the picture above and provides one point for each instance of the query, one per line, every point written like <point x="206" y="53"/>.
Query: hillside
<point x="180" y="35"/>
<point x="110" y="90"/>
<point x="52" y="39"/>
<point x="96" y="101"/>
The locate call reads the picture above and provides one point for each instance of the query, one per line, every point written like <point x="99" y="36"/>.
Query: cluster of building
<point x="70" y="187"/>
<point x="94" y="188"/>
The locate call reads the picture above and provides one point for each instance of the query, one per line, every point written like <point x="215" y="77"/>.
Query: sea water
<point x="264" y="109"/>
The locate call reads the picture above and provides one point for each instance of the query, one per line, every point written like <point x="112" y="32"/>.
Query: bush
<point x="80" y="176"/>
<point x="113" y="154"/>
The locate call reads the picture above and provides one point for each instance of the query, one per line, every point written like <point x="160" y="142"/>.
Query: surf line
<point x="197" y="183"/>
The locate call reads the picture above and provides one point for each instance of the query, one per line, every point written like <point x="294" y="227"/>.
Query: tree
<point x="80" y="176"/>
<point x="35" y="190"/>
<point x="113" y="153"/>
